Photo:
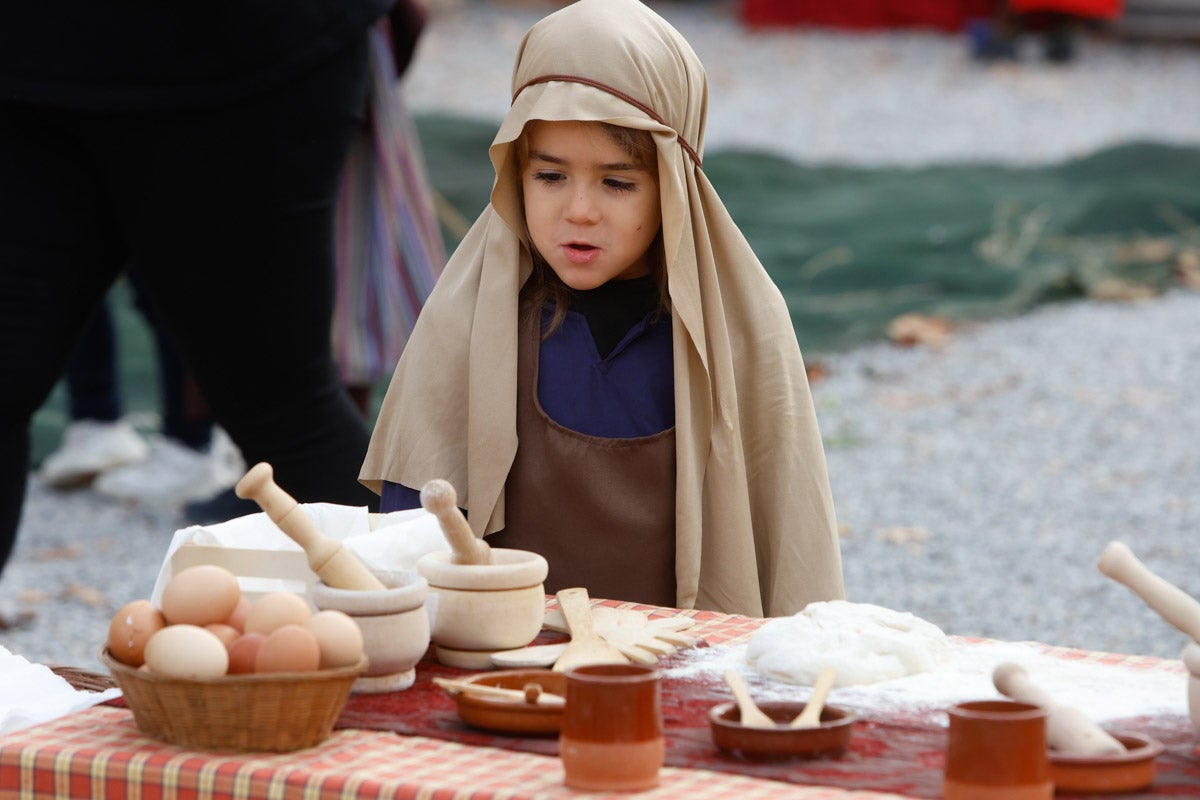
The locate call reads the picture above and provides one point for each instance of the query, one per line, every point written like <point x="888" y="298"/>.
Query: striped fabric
<point x="389" y="249"/>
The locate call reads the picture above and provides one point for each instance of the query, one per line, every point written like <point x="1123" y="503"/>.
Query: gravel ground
<point x="976" y="482"/>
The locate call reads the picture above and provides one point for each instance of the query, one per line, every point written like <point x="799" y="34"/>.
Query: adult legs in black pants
<point x="228" y="214"/>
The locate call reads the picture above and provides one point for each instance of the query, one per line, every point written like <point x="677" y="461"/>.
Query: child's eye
<point x="620" y="185"/>
<point x="547" y="176"/>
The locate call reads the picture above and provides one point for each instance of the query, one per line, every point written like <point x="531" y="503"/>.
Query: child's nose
<point x="582" y="207"/>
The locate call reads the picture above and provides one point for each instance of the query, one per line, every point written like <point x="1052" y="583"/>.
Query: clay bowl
<point x="1127" y="772"/>
<point x="513" y="716"/>
<point x="828" y="740"/>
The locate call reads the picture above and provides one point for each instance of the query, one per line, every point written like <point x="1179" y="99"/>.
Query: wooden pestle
<point x="1068" y="730"/>
<point x="1172" y="603"/>
<point x="334" y="563"/>
<point x="439" y="498"/>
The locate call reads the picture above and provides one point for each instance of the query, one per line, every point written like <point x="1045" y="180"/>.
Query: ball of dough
<point x="865" y="643"/>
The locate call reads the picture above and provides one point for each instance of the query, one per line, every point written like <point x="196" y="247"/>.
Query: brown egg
<point x="275" y="610"/>
<point x="186" y="651"/>
<point x="129" y="630"/>
<point x="200" y="595"/>
<point x="243" y="652"/>
<point x="226" y="633"/>
<point x="238" y="618"/>
<point x="288" y="648"/>
<point x="338" y="637"/>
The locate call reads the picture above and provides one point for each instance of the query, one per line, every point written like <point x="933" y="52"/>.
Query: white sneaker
<point x="175" y="474"/>
<point x="90" y="447"/>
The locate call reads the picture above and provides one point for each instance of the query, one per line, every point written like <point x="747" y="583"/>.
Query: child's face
<point x="592" y="212"/>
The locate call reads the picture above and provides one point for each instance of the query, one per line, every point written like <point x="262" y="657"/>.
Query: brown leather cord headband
<point x="615" y="93"/>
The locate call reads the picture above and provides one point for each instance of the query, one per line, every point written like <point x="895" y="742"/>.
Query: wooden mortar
<point x="480" y="609"/>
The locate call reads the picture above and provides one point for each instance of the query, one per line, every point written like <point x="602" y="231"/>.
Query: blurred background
<point x="906" y="170"/>
<point x="948" y="158"/>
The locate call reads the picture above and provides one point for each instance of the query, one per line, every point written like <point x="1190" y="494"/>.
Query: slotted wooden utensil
<point x="586" y="646"/>
<point x="640" y="638"/>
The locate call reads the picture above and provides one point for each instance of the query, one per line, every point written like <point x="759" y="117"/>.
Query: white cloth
<point x="31" y="694"/>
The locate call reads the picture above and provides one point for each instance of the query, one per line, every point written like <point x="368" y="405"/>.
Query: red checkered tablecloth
<point x="407" y="746"/>
<point x="100" y="754"/>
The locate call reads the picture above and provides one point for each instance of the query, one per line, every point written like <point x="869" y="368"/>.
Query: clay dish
<point x="827" y="740"/>
<point x="511" y="716"/>
<point x="1127" y="772"/>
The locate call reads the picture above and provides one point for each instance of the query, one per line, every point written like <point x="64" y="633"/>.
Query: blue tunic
<point x="628" y="393"/>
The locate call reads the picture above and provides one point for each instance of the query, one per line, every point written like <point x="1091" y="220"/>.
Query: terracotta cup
<point x="612" y="731"/>
<point x="996" y="750"/>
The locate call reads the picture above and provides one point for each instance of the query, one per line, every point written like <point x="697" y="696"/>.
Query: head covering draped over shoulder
<point x="755" y="526"/>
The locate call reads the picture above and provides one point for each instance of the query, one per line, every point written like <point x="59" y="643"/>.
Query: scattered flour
<point x="1102" y="691"/>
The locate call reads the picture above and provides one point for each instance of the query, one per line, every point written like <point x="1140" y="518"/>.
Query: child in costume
<point x="604" y="371"/>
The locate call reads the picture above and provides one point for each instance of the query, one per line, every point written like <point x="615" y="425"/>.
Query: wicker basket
<point x="276" y="711"/>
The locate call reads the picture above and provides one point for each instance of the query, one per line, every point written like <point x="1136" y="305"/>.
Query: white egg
<point x="186" y="651"/>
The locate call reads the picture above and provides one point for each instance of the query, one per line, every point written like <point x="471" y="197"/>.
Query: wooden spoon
<point x="752" y="715"/>
<point x="1068" y="730"/>
<point x="439" y="498"/>
<point x="1172" y="603"/>
<point x="586" y="646"/>
<point x="810" y="715"/>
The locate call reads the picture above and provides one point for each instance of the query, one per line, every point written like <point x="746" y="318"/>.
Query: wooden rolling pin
<point x="1068" y="730"/>
<point x="1172" y="603"/>
<point x="334" y="563"/>
<point x="439" y="498"/>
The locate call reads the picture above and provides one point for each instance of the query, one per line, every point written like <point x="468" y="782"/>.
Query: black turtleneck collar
<point x="613" y="308"/>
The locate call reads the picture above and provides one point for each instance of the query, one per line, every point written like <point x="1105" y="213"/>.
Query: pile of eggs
<point x="206" y="628"/>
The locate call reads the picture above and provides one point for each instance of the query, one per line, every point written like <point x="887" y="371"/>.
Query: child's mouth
<point x="578" y="253"/>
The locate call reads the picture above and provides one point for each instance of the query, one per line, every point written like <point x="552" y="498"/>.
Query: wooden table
<point x="99" y="753"/>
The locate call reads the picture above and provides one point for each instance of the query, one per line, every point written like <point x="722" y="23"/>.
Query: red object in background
<point x="1092" y="9"/>
<point x="946" y="15"/>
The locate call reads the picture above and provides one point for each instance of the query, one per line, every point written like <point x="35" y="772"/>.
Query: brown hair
<point x="544" y="286"/>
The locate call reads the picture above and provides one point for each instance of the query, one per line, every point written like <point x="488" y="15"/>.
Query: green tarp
<point x="851" y="249"/>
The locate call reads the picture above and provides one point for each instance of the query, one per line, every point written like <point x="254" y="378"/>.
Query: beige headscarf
<point x="756" y="532"/>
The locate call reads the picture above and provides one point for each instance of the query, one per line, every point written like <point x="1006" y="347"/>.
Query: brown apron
<point x="601" y="511"/>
